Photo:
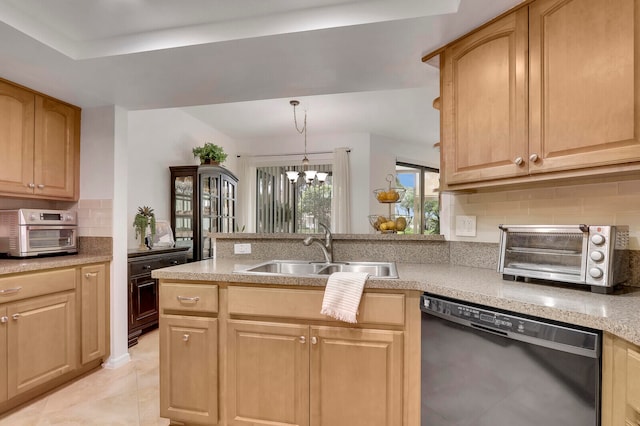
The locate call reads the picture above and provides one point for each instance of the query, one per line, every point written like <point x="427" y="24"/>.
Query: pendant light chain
<point x="303" y="131"/>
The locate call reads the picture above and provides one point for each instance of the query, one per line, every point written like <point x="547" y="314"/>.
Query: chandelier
<point x="308" y="175"/>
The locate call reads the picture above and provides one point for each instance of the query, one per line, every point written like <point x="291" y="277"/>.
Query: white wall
<point x="159" y="139"/>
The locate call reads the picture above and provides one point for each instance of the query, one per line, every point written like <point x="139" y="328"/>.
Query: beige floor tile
<point x="126" y="396"/>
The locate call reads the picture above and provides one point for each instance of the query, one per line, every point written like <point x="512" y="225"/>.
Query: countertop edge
<point x="615" y="314"/>
<point x="13" y="266"/>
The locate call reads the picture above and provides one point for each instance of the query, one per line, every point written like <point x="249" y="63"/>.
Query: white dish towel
<point x="342" y="295"/>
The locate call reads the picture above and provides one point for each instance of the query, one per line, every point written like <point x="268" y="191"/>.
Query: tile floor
<point x="126" y="396"/>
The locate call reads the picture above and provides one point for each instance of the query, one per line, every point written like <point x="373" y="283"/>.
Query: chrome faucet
<point x="327" y="246"/>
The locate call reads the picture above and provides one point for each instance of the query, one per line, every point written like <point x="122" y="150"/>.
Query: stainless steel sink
<point x="306" y="268"/>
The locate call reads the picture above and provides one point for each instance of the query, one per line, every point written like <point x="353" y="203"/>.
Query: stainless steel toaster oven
<point x="593" y="255"/>
<point x="36" y="232"/>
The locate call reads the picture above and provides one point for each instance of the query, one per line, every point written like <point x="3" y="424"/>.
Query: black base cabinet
<point x="143" y="290"/>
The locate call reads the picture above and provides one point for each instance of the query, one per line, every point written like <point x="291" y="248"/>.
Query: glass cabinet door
<point x="209" y="212"/>
<point x="184" y="214"/>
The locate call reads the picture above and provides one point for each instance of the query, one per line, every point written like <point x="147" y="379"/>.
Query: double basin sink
<point x="306" y="268"/>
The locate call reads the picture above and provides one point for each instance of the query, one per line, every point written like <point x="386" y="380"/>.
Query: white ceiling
<point x="354" y="65"/>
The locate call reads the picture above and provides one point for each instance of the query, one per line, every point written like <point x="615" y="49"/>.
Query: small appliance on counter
<point x="36" y="232"/>
<point x="593" y="255"/>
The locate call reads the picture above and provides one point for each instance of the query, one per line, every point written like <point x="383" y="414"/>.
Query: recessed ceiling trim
<point x="333" y="16"/>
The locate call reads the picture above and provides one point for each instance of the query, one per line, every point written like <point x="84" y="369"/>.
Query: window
<point x="421" y="199"/>
<point x="282" y="206"/>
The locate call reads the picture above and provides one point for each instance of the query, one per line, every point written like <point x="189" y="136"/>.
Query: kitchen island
<point x="244" y="318"/>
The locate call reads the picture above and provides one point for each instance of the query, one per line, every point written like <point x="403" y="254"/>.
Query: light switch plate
<point x="242" y="249"/>
<point x="465" y="226"/>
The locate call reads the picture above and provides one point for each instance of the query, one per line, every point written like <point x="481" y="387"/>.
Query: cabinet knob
<point x="40" y="186"/>
<point x="174" y="262"/>
<point x="31" y="185"/>
<point x="3" y="320"/>
<point x="302" y="339"/>
<point x="147" y="267"/>
<point x="519" y="161"/>
<point x="533" y="158"/>
<point x="314" y="340"/>
<point x="15" y="316"/>
<point x="185" y="337"/>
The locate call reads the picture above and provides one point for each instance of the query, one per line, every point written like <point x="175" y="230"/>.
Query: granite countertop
<point x="618" y="314"/>
<point x="12" y="266"/>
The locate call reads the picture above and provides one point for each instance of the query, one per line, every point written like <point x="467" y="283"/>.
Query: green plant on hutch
<point x="144" y="218"/>
<point x="210" y="153"/>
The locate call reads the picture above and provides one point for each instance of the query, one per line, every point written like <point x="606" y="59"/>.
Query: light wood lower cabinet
<point x="93" y="285"/>
<point x="620" y="382"/>
<point x="53" y="327"/>
<point x="296" y="374"/>
<point x="4" y="324"/>
<point x="41" y="341"/>
<point x="268" y="373"/>
<point x="251" y="355"/>
<point x="189" y="369"/>
<point x="356" y="377"/>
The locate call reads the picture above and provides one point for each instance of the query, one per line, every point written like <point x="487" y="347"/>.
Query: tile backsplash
<point x="95" y="217"/>
<point x="605" y="203"/>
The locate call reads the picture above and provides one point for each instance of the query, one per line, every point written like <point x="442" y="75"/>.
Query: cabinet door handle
<point x="91" y="274"/>
<point x="519" y="161"/>
<point x="533" y="158"/>
<point x="40" y="186"/>
<point x="185" y="337"/>
<point x="314" y="340"/>
<point x="302" y="339"/>
<point x="15" y="316"/>
<point x="147" y="267"/>
<point x="4" y="319"/>
<point x="31" y="185"/>
<point x="184" y="299"/>
<point x="9" y="291"/>
<point x="174" y="262"/>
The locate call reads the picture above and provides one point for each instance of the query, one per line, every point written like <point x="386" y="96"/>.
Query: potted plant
<point x="145" y="218"/>
<point x="210" y="153"/>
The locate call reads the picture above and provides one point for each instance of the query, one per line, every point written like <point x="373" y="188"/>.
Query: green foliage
<point x="315" y="201"/>
<point x="143" y="219"/>
<point x="432" y="216"/>
<point x="210" y="151"/>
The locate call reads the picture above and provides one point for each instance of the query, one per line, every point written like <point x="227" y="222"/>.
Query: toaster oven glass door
<point x="551" y="255"/>
<point x="50" y="239"/>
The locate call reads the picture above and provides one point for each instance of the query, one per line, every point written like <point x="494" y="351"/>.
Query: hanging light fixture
<point x="309" y="175"/>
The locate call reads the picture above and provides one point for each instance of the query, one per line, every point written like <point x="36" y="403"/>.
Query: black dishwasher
<point x="487" y="367"/>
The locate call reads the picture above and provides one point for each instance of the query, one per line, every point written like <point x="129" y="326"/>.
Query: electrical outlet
<point x="466" y="226"/>
<point x="242" y="249"/>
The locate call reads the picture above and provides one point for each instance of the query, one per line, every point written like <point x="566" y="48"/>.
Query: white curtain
<point x="246" y="194"/>
<point x="340" y="211"/>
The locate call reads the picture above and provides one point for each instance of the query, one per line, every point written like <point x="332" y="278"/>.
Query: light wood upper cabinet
<point x="16" y="139"/>
<point x="549" y="91"/>
<point x="41" y="341"/>
<point x="268" y="373"/>
<point x="39" y="145"/>
<point x="584" y="99"/>
<point x="93" y="293"/>
<point x="57" y="148"/>
<point x="484" y="102"/>
<point x="620" y="382"/>
<point x="356" y="377"/>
